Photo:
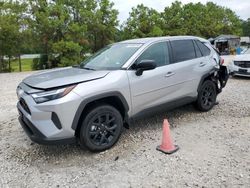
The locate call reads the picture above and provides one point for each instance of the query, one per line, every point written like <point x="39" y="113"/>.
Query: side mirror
<point x="144" y="65"/>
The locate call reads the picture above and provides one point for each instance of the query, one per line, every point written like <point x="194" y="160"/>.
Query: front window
<point x="112" y="57"/>
<point x="157" y="52"/>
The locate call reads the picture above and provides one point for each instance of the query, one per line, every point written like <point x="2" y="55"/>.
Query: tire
<point x="206" y="96"/>
<point x="101" y="128"/>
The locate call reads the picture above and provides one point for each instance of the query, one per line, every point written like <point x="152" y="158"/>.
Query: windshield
<point x="112" y="57"/>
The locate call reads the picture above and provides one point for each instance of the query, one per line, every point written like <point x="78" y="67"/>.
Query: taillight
<point x="222" y="61"/>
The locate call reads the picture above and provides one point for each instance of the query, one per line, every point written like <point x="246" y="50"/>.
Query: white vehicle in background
<point x="240" y="65"/>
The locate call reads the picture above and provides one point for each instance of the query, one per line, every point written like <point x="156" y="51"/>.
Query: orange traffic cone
<point x="167" y="145"/>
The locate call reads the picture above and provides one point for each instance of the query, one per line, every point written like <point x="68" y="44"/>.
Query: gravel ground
<point x="214" y="148"/>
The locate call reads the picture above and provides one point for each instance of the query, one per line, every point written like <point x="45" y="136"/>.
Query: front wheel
<point x="101" y="128"/>
<point x="206" y="96"/>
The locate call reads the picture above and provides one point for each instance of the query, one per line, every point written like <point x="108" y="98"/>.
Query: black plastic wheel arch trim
<point x="98" y="97"/>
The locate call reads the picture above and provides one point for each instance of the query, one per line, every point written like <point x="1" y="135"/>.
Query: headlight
<point x="51" y="95"/>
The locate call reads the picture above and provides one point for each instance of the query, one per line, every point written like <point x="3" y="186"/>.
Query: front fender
<point x="84" y="103"/>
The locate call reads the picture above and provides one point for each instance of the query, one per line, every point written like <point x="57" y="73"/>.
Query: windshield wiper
<point x="86" y="68"/>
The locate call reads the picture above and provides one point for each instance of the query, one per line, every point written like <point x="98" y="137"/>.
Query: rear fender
<point x="218" y="76"/>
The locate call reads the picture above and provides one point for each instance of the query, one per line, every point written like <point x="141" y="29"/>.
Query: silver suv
<point x="91" y="102"/>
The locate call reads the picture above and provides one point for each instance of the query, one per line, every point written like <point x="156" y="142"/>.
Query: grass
<point x="26" y="65"/>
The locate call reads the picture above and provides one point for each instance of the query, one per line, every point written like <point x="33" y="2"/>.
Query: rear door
<point x="189" y="65"/>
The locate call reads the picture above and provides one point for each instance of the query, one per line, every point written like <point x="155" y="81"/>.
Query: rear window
<point x="183" y="50"/>
<point x="204" y="49"/>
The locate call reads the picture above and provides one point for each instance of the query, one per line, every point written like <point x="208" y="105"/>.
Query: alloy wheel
<point x="102" y="129"/>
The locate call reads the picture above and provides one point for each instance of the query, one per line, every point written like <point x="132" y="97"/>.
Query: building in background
<point x="226" y="44"/>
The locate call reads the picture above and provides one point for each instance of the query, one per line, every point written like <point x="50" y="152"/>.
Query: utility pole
<point x="20" y="65"/>
<point x="9" y="65"/>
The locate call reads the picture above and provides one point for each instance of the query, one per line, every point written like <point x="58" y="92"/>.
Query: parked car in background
<point x="90" y="103"/>
<point x="240" y="65"/>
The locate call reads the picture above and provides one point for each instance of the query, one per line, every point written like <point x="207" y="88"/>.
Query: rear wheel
<point x="206" y="96"/>
<point x="101" y="128"/>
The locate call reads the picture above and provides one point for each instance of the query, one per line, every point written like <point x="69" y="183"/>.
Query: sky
<point x="241" y="7"/>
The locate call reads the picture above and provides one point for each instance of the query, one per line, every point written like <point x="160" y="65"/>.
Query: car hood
<point x="242" y="57"/>
<point x="61" y="77"/>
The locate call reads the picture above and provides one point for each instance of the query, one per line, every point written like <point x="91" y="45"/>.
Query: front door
<point x="153" y="87"/>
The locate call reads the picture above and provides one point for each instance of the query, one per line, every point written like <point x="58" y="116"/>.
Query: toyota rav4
<point x="91" y="103"/>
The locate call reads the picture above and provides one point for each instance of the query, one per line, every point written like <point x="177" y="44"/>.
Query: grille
<point x="25" y="106"/>
<point x="243" y="64"/>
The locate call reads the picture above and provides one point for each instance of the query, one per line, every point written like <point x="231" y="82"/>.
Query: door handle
<point x="169" y="74"/>
<point x="202" y="64"/>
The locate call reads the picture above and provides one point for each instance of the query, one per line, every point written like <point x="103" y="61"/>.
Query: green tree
<point x="68" y="29"/>
<point x="12" y="30"/>
<point x="173" y="20"/>
<point x="224" y="21"/>
<point x="64" y="30"/>
<point x="102" y="25"/>
<point x="209" y="20"/>
<point x="246" y="27"/>
<point x="142" y="22"/>
<point x="60" y="33"/>
<point x="206" y="20"/>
